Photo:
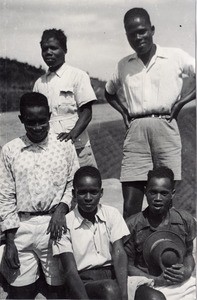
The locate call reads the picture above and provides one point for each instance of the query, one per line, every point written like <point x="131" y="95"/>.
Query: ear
<point x="153" y="29"/>
<point x="49" y="115"/>
<point x="73" y="193"/>
<point x="173" y="193"/>
<point x="21" y="119"/>
<point x="102" y="192"/>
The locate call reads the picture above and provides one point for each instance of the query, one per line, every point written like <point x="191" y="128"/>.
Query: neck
<point x="90" y="216"/>
<point x="146" y="58"/>
<point x="54" y="69"/>
<point x="156" y="220"/>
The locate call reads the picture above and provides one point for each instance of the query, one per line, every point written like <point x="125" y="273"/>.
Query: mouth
<point x="158" y="205"/>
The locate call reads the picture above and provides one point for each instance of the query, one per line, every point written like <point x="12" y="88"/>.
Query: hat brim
<point x="166" y="238"/>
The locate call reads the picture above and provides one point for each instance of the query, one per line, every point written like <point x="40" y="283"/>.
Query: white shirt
<point x="90" y="243"/>
<point x="67" y="89"/>
<point x="153" y="88"/>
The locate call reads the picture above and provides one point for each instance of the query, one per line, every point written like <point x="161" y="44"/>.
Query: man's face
<point x="36" y="122"/>
<point x="52" y="53"/>
<point x="88" y="193"/>
<point x="159" y="193"/>
<point x="139" y="34"/>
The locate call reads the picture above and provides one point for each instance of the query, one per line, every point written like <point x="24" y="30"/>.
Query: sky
<point x="96" y="36"/>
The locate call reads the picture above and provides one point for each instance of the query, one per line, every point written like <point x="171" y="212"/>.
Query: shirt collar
<point x="173" y="215"/>
<point x="58" y="72"/>
<point x="79" y="220"/>
<point x="160" y="52"/>
<point x="27" y="143"/>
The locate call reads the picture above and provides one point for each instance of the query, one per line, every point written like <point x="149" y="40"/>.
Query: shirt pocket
<point x="67" y="103"/>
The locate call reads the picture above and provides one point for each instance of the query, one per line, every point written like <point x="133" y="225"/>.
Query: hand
<point x="175" y="274"/>
<point x="174" y="111"/>
<point x="161" y="281"/>
<point x="57" y="224"/>
<point x="11" y="255"/>
<point x="126" y="119"/>
<point x="66" y="136"/>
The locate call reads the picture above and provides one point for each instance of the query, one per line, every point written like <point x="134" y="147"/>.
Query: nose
<point x="88" y="198"/>
<point x="158" y="196"/>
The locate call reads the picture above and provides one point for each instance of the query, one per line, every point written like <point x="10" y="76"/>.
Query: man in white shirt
<point x="151" y="81"/>
<point x="69" y="93"/>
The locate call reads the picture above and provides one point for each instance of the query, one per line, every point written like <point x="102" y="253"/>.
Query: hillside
<point x="17" y="78"/>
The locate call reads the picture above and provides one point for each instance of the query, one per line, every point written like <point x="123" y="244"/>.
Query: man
<point x="35" y="194"/>
<point x="69" y="93"/>
<point x="151" y="80"/>
<point x="91" y="252"/>
<point x="172" y="274"/>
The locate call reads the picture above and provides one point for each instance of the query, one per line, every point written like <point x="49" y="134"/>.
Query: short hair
<point x="87" y="171"/>
<point x="32" y="99"/>
<point x="136" y="11"/>
<point x="58" y="34"/>
<point x="161" y="172"/>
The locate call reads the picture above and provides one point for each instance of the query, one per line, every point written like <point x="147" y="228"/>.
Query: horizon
<point x="96" y="37"/>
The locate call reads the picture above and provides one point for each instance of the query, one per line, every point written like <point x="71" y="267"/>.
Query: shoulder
<point x="184" y="215"/>
<point x="135" y="220"/>
<point x="109" y="210"/>
<point x="13" y="145"/>
<point x="125" y="60"/>
<point x="76" y="71"/>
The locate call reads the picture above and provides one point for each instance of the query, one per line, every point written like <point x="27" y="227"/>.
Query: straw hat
<point x="162" y="249"/>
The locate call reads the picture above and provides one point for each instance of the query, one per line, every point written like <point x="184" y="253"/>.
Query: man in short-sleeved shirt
<point x="157" y="217"/>
<point x="150" y="80"/>
<point x="91" y="251"/>
<point x="69" y="93"/>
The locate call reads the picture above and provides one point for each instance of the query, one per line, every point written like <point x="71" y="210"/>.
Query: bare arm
<point x="186" y="97"/>
<point x="73" y="279"/>
<point x="11" y="252"/>
<point x="115" y="102"/>
<point x="85" y="116"/>
<point x="180" y="272"/>
<point x="119" y="258"/>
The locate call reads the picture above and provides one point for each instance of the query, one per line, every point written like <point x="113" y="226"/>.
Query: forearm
<point x="134" y="271"/>
<point x="189" y="265"/>
<point x="120" y="266"/>
<point x="73" y="280"/>
<point x="114" y="101"/>
<point x="62" y="208"/>
<point x="85" y="116"/>
<point x="10" y="235"/>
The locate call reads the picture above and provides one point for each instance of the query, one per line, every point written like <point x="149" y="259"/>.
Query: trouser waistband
<point x="159" y="116"/>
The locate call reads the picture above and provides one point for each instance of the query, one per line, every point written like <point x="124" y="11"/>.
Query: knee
<point x="111" y="290"/>
<point x="148" y="293"/>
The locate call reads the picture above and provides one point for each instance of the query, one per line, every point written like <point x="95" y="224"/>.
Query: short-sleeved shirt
<point x="67" y="89"/>
<point x="91" y="244"/>
<point x="34" y="177"/>
<point x="179" y="222"/>
<point x="152" y="89"/>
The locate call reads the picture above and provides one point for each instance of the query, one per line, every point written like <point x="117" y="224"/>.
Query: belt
<point x="159" y="116"/>
<point x="34" y="213"/>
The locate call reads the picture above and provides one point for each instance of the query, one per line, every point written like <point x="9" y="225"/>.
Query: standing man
<point x="151" y="80"/>
<point x="35" y="194"/>
<point x="69" y="93"/>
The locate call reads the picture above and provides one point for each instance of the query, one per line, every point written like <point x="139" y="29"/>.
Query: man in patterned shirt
<point x="35" y="194"/>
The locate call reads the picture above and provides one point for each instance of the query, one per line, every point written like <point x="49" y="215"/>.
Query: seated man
<point x="35" y="194"/>
<point x="91" y="251"/>
<point x="173" y="279"/>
